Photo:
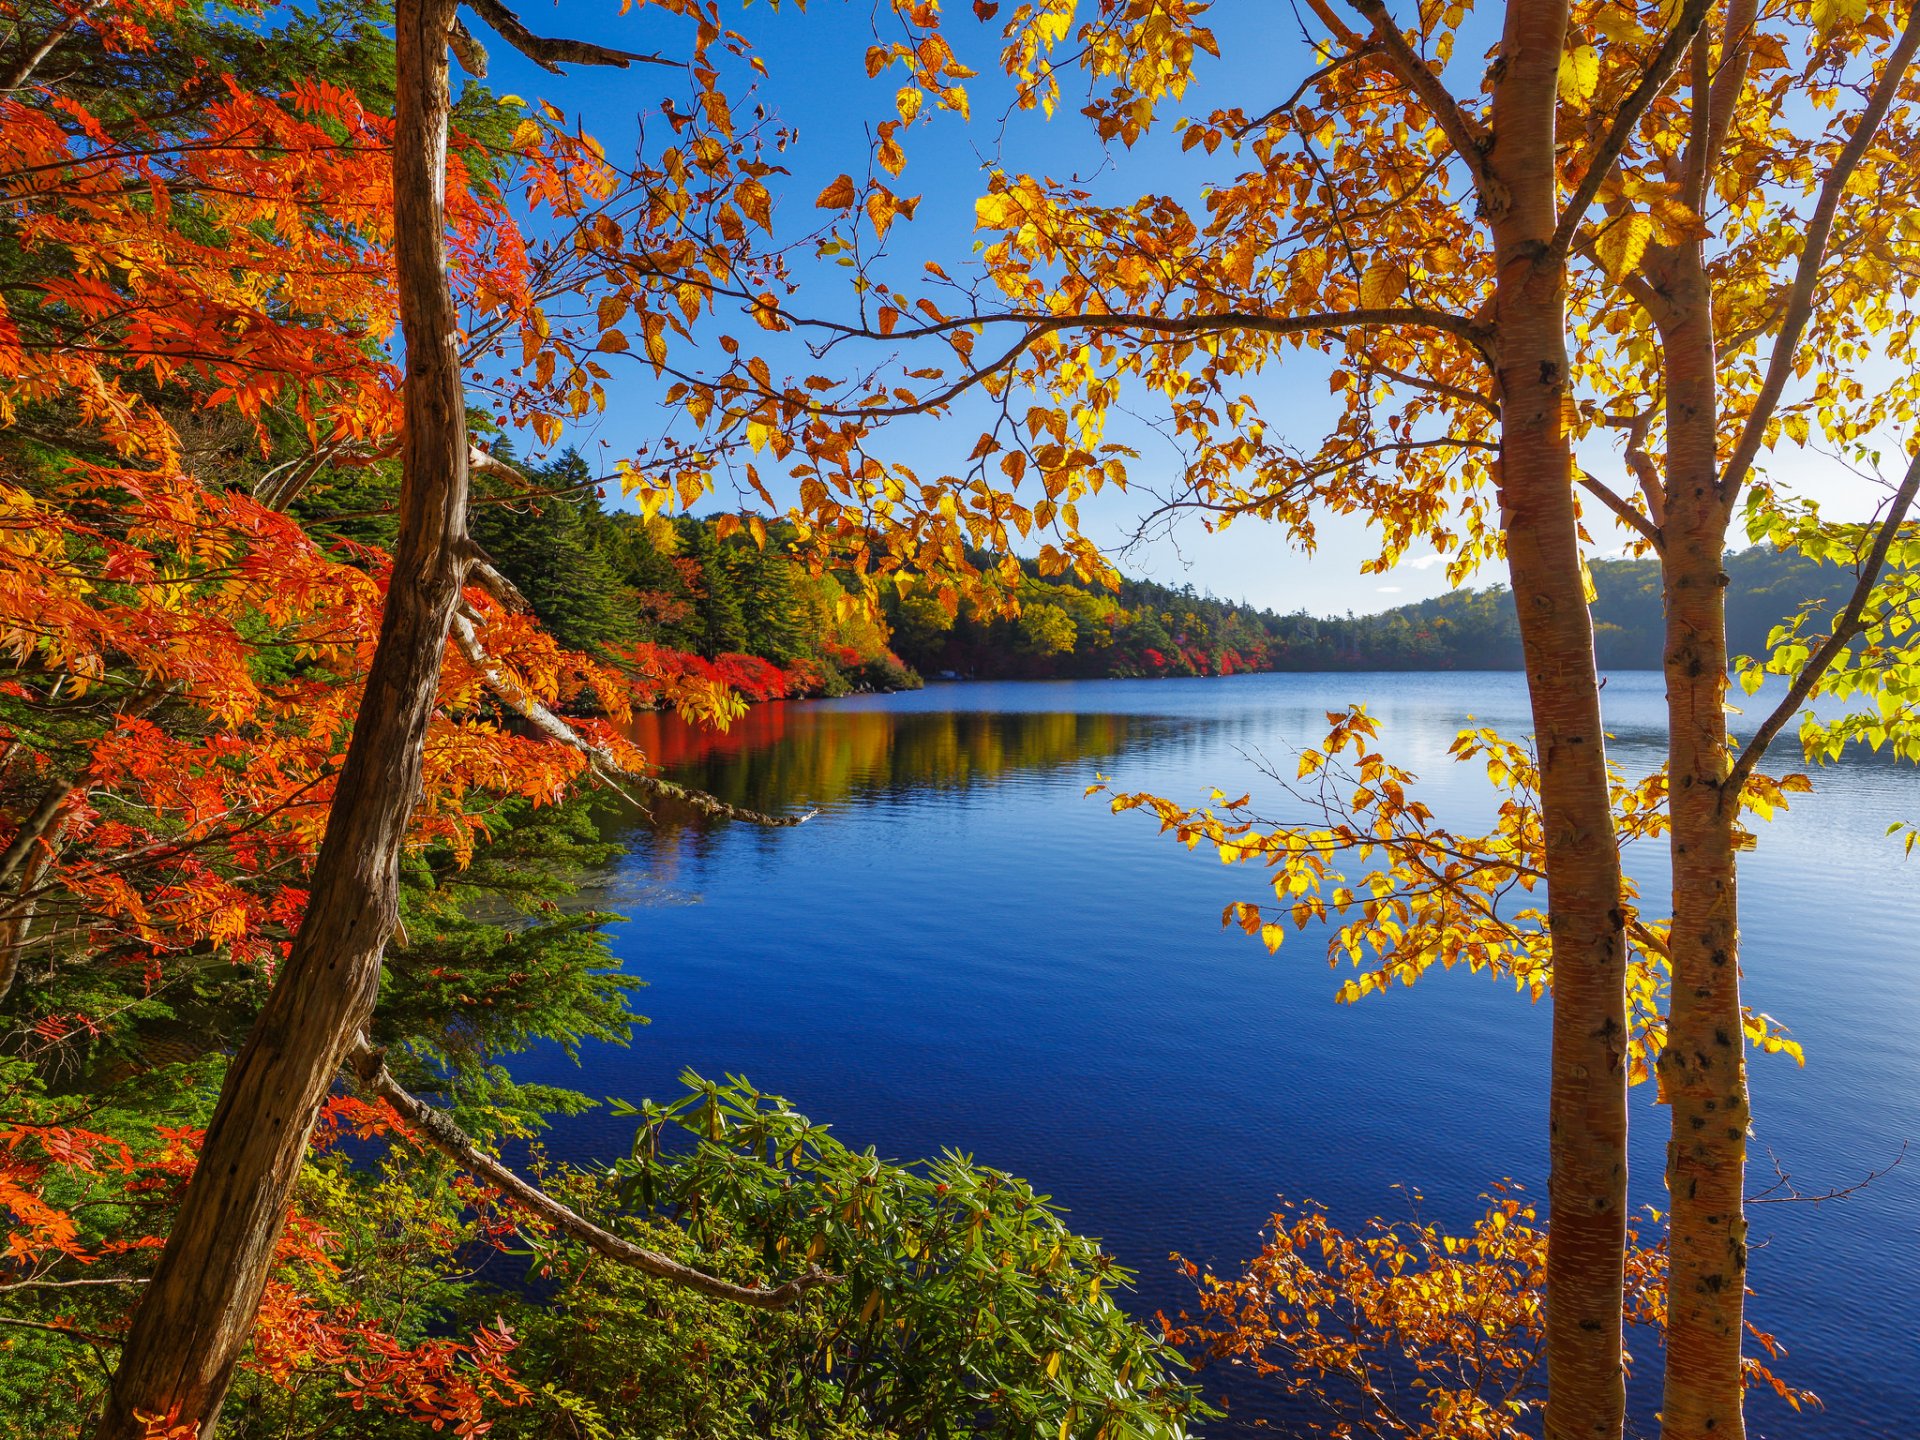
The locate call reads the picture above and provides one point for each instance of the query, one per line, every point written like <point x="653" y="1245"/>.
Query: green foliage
<point x="722" y="621"/>
<point x="967" y="1307"/>
<point x="548" y="543"/>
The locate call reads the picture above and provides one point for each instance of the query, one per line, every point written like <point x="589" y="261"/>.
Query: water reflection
<point x="779" y="755"/>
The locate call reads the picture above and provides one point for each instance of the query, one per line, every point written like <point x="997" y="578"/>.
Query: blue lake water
<point x="962" y="951"/>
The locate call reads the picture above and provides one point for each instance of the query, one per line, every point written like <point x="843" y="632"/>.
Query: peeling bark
<point x="1587" y="1189"/>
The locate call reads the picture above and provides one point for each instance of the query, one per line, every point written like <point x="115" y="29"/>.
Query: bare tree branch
<point x="1628" y="516"/>
<point x="552" y="54"/>
<point x="1641" y="463"/>
<point x="604" y="765"/>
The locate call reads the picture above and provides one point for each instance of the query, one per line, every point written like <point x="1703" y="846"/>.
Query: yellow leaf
<point x="1621" y="244"/>
<point x="1826" y="14"/>
<point x="1579" y="74"/>
<point x="907" y="102"/>
<point x="755" y="203"/>
<point x="1381" y="285"/>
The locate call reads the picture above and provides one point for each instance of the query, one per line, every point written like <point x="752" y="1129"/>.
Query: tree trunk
<point x="198" y="1311"/>
<point x="1703" y="1067"/>
<point x="1587" y="1188"/>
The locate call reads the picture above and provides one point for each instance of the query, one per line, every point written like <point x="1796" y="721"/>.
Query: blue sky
<point x="816" y="83"/>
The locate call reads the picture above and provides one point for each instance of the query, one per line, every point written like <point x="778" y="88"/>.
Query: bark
<point x="1587" y="1189"/>
<point x="16" y="915"/>
<point x="23" y="865"/>
<point x="1703" y="1067"/>
<point x="196" y="1315"/>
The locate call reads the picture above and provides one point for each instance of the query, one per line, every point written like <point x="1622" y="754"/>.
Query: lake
<point x="962" y="951"/>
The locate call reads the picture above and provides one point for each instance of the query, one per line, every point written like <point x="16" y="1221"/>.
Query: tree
<point x="769" y="607"/>
<point x="1490" y="282"/>
<point x="545" y="543"/>
<point x="185" y="662"/>
<point x="199" y="1308"/>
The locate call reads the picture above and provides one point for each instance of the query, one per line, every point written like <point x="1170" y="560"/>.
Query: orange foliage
<point x="1410" y="1329"/>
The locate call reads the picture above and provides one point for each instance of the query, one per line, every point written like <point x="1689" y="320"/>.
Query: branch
<point x="1417" y="317"/>
<point x="24" y="67"/>
<point x="1736" y="48"/>
<point x="1813" y="255"/>
<point x="1474" y="332"/>
<point x="1844" y="630"/>
<point x="1467" y="137"/>
<point x="1783" y="1191"/>
<point x="1641" y="463"/>
<point x="85" y="1336"/>
<point x="1629" y="516"/>
<point x="1440" y="387"/>
<point x="1607" y="154"/>
<point x="552" y="54"/>
<point x="438" y="1130"/>
<point x="604" y="765"/>
<point x="33" y="828"/>
<point x="1331" y="67"/>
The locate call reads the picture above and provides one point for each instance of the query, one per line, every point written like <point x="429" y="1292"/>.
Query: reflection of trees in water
<point x="780" y="756"/>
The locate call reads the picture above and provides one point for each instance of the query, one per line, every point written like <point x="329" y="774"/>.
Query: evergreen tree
<point x="545" y="544"/>
<point x="769" y="607"/>
<point x="722" y="624"/>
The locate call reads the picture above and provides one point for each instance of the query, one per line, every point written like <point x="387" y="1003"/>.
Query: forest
<point x="1144" y="629"/>
<point x="333" y="674"/>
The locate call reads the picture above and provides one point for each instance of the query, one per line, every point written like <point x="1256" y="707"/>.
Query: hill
<point x="1150" y="629"/>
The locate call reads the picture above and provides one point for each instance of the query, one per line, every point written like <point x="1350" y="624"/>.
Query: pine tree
<point x="545" y="544"/>
<point x="769" y="607"/>
<point x="721" y="622"/>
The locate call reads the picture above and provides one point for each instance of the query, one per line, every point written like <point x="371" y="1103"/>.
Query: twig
<point x="1607" y="154"/>
<point x="1782" y="1191"/>
<point x="1813" y="255"/>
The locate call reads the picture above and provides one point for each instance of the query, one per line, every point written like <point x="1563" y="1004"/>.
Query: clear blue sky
<point x="817" y="84"/>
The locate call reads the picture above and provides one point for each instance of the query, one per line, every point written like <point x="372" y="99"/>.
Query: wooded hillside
<point x="1148" y="629"/>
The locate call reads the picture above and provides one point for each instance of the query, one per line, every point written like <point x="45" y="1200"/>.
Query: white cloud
<point x="1388" y="589"/>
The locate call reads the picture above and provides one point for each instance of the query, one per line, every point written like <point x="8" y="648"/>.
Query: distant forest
<point x="1150" y="629"/>
<point x="687" y="593"/>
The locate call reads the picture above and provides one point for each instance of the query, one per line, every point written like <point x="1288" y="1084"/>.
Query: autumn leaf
<point x="839" y="195"/>
<point x="1579" y="74"/>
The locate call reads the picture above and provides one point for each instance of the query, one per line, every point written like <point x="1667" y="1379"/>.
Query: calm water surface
<point x="962" y="951"/>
